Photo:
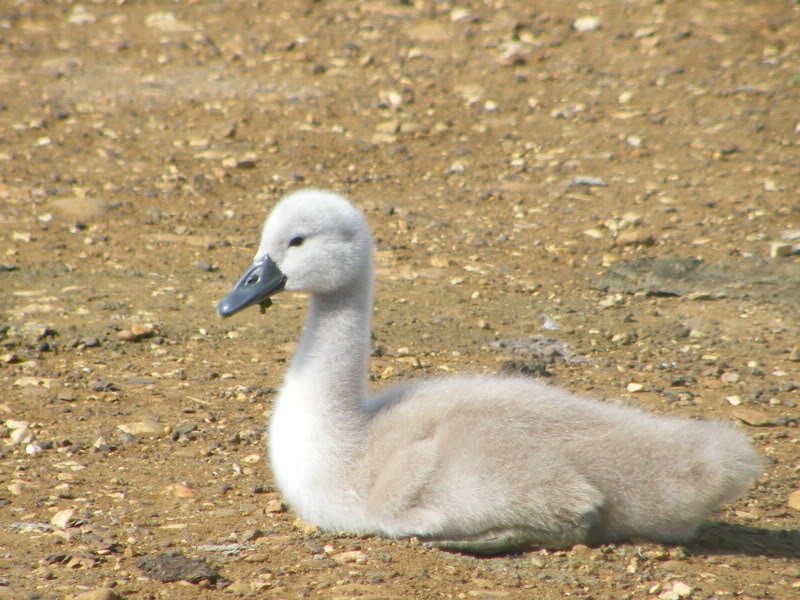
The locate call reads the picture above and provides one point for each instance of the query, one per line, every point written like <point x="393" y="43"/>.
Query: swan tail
<point x="722" y="469"/>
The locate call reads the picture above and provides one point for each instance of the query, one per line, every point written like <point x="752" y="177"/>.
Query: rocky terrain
<point x="603" y="194"/>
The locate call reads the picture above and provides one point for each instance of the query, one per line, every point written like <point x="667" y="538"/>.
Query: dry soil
<point x="618" y="178"/>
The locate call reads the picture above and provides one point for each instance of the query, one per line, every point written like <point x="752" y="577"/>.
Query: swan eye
<point x="297" y="241"/>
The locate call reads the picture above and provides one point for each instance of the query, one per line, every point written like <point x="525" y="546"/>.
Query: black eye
<point x="297" y="241"/>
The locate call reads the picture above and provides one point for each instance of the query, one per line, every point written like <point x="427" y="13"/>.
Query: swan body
<point x="478" y="464"/>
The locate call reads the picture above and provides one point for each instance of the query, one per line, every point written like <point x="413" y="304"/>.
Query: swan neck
<point x="334" y="351"/>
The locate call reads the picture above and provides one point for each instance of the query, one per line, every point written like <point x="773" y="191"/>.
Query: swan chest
<point x="308" y="467"/>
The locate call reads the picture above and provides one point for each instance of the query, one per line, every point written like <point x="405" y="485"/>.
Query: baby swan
<point x="474" y="464"/>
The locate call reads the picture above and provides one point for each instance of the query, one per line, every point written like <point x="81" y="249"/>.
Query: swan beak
<point x="262" y="280"/>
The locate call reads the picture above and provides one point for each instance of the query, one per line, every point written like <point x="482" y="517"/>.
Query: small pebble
<point x="239" y="588"/>
<point x="245" y="162"/>
<point x="11" y="358"/>
<point x="460" y="14"/>
<point x="81" y="208"/>
<point x="250" y="535"/>
<point x="98" y="594"/>
<point x="102" y="386"/>
<point x="457" y="168"/>
<point x="101" y="444"/>
<point x="586" y="24"/>
<point x="730" y="378"/>
<point x="683" y="590"/>
<point x="610" y="259"/>
<point x="186" y="428"/>
<point x="388" y="127"/>
<point x="67" y="396"/>
<point x="587" y="181"/>
<point x="146" y="427"/>
<point x="33" y="449"/>
<point x="634" y="140"/>
<point x="80" y="15"/>
<point x="126" y="335"/>
<point x="306" y="528"/>
<point x="21" y="435"/>
<point x="635" y="237"/>
<point x="794" y="501"/>
<point x="142" y="330"/>
<point x="180" y="490"/>
<point x="612" y="300"/>
<point x="354" y="556"/>
<point x="17" y="488"/>
<point x="753" y="417"/>
<point x="62" y="518"/>
<point x="780" y="249"/>
<point x="699" y="296"/>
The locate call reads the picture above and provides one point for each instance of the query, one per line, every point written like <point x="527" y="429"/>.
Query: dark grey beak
<point x="262" y="280"/>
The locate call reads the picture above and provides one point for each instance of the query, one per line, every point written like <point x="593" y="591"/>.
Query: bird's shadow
<point x="713" y="538"/>
<point x="716" y="537"/>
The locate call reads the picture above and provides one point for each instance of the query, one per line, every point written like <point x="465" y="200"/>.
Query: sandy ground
<point x="515" y="160"/>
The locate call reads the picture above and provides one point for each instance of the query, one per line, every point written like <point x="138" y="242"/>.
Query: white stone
<point x="166" y="22"/>
<point x="586" y="24"/>
<point x="457" y="167"/>
<point x="33" y="449"/>
<point x="780" y="249"/>
<point x="459" y="14"/>
<point x="62" y="518"/>
<point x="80" y="15"/>
<point x="21" y="435"/>
<point x="354" y="556"/>
<point x="147" y="427"/>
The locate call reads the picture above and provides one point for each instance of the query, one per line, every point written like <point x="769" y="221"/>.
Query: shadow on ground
<point x="729" y="538"/>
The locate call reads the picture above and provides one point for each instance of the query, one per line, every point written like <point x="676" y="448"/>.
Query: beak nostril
<point x="253" y="279"/>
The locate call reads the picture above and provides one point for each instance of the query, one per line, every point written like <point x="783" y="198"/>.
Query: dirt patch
<point x="760" y="281"/>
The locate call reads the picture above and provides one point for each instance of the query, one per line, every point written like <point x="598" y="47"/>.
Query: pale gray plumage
<point x="478" y="464"/>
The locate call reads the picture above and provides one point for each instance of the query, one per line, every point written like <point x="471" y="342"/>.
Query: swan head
<point x="313" y="241"/>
